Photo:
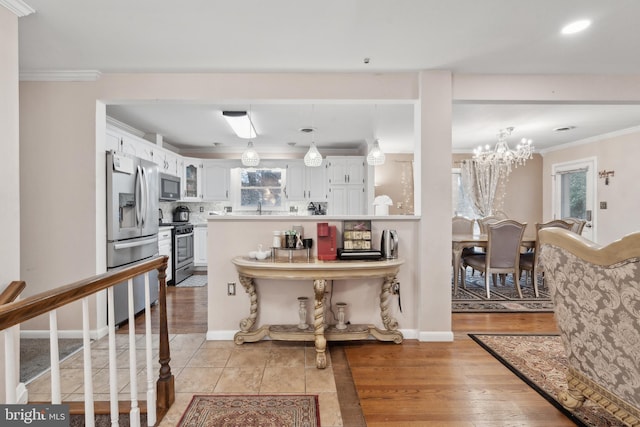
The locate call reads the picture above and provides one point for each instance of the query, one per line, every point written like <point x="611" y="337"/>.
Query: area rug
<point x="539" y="360"/>
<point x="252" y="411"/>
<point x="194" y="281"/>
<point x="503" y="298"/>
<point x="35" y="356"/>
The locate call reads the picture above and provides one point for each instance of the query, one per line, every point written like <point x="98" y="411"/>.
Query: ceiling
<point x="465" y="36"/>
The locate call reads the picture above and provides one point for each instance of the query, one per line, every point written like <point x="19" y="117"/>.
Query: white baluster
<point x="10" y="364"/>
<point x="134" y="413"/>
<point x="89" y="417"/>
<point x="113" y="365"/>
<point x="151" y="389"/>
<point x="56" y="396"/>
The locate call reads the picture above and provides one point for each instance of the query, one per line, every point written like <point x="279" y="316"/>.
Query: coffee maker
<point x="327" y="250"/>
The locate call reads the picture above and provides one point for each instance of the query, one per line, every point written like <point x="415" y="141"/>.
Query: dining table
<point x="462" y="241"/>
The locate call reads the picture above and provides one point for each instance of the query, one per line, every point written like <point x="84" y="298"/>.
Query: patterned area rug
<point x="252" y="411"/>
<point x="195" y="281"/>
<point x="539" y="360"/>
<point x="503" y="298"/>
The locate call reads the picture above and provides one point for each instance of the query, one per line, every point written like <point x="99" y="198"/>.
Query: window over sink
<point x="258" y="189"/>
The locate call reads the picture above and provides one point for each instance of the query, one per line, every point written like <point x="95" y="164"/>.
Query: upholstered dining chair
<point x="484" y="222"/>
<point x="463" y="225"/>
<point x="577" y="224"/>
<point x="503" y="253"/>
<point x="529" y="260"/>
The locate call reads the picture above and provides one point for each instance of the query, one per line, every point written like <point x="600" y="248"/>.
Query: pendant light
<point x="375" y="157"/>
<point x="313" y="158"/>
<point x="250" y="157"/>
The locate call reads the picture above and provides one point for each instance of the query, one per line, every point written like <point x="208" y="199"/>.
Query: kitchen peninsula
<point x="233" y="236"/>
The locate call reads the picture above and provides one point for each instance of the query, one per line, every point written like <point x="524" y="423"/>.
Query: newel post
<point x="166" y="386"/>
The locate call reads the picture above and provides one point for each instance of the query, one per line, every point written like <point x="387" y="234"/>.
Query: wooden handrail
<point x="12" y="291"/>
<point x="18" y="312"/>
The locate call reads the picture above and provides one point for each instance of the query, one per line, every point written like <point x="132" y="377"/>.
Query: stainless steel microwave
<point x="169" y="187"/>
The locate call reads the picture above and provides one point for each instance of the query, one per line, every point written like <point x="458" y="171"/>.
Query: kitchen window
<point x="258" y="189"/>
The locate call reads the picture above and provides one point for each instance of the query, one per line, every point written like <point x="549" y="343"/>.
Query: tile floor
<point x="205" y="367"/>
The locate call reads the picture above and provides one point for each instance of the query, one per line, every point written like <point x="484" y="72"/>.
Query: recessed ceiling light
<point x="564" y="128"/>
<point x="576" y="26"/>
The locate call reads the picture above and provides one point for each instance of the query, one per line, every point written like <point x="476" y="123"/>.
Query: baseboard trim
<point x="433" y="336"/>
<point x="221" y="335"/>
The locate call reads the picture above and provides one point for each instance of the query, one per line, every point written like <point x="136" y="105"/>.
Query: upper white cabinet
<point x="168" y="162"/>
<point x="192" y="179"/>
<point x="346" y="169"/>
<point x="217" y="174"/>
<point x="305" y="183"/>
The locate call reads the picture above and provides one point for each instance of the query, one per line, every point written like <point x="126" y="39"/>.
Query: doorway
<point x="574" y="193"/>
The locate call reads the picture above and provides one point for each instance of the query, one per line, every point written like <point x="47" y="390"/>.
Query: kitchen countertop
<point x="314" y="218"/>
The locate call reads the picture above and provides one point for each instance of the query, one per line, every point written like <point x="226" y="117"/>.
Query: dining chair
<point x="529" y="260"/>
<point x="463" y="225"/>
<point x="577" y="224"/>
<point x="504" y="239"/>
<point x="485" y="221"/>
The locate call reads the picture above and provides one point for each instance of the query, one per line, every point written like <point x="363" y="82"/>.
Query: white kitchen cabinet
<point x="164" y="248"/>
<point x="305" y="183"/>
<point x="192" y="179"/>
<point x="346" y="170"/>
<point x="168" y="162"/>
<point x="200" y="246"/>
<point x="346" y="199"/>
<point x="217" y="177"/>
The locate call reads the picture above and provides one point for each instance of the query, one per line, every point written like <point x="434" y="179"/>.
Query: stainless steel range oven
<point x="182" y="251"/>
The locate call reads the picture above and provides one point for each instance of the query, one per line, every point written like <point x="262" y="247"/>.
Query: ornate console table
<point x="319" y="272"/>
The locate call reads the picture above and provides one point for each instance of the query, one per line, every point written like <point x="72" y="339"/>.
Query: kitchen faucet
<point x="259" y="210"/>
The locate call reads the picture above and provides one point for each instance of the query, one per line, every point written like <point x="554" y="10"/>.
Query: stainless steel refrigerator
<point x="132" y="224"/>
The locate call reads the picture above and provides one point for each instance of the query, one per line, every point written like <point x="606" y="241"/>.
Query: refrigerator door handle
<point x="138" y="196"/>
<point x="137" y="243"/>
<point x="145" y="196"/>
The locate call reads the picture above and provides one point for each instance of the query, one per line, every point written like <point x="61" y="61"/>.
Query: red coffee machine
<point x="327" y="250"/>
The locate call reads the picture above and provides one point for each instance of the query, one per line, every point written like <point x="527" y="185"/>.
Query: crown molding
<point x="60" y="76"/>
<point x="125" y="127"/>
<point x="18" y="7"/>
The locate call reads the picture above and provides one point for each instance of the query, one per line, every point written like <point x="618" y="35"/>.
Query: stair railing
<point x="159" y="399"/>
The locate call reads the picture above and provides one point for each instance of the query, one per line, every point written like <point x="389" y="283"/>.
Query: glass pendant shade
<point x="376" y="156"/>
<point x="250" y="156"/>
<point x="313" y="158"/>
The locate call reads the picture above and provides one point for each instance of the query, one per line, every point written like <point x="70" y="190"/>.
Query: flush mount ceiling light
<point x="241" y="123"/>
<point x="250" y="156"/>
<point x="376" y="156"/>
<point x="576" y="26"/>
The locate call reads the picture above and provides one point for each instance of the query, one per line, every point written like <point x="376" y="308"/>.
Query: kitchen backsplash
<point x="196" y="217"/>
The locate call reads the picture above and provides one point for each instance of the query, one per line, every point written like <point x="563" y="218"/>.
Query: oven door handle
<point x="184" y="235"/>
<point x="135" y="244"/>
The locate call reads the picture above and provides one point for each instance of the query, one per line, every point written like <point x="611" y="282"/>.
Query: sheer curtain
<point x="485" y="186"/>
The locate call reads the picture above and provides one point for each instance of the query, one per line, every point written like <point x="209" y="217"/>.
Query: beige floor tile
<point x="70" y="381"/>
<point x="282" y="379"/>
<point x="99" y="359"/>
<point x="122" y="360"/>
<point x="197" y="380"/>
<point x="172" y="418"/>
<point x="180" y="356"/>
<point x="122" y="341"/>
<point x="256" y="357"/>
<point x="310" y="356"/>
<point x="210" y="357"/>
<point x="240" y="380"/>
<point x="187" y="341"/>
<point x="219" y="344"/>
<point x="319" y="380"/>
<point x="101" y="381"/>
<point x="329" y="409"/>
<point x="286" y="356"/>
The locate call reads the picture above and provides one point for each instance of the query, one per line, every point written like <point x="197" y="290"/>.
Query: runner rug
<point x="505" y="298"/>
<point x="252" y="411"/>
<point x="539" y="360"/>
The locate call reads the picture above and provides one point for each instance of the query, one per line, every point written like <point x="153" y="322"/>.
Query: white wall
<point x="9" y="171"/>
<point x="616" y="153"/>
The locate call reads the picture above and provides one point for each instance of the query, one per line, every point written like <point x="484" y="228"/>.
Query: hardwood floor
<point x="420" y="383"/>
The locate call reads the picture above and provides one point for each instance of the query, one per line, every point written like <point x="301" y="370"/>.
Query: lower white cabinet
<point x="164" y="248"/>
<point x="200" y="246"/>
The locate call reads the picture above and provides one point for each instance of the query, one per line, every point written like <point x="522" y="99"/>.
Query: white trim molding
<point x="60" y="75"/>
<point x="435" y="336"/>
<point x="18" y="7"/>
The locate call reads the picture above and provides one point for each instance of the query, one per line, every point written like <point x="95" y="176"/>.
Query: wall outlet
<point x="231" y="289"/>
<point x="603" y="205"/>
<point x="201" y="208"/>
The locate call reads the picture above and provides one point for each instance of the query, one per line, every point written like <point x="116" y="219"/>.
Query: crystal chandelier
<point x="376" y="156"/>
<point x="250" y="156"/>
<point x="502" y="155"/>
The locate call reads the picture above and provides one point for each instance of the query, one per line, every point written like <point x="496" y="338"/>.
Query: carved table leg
<point x="318" y="323"/>
<point x="245" y="334"/>
<point x="390" y="333"/>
